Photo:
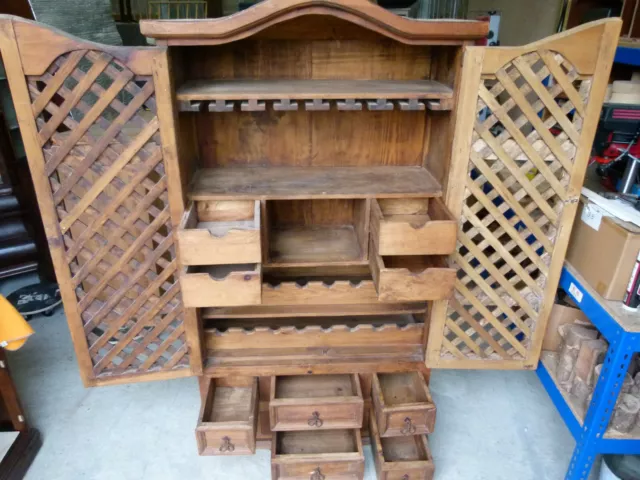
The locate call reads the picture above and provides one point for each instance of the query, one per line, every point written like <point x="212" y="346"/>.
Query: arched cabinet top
<point x="213" y="31"/>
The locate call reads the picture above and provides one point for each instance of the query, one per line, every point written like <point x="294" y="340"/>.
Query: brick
<point x="625" y="413"/>
<point x="591" y="353"/>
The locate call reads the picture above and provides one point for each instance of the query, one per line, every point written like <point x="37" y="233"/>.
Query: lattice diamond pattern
<point x="524" y="143"/>
<point x="99" y="132"/>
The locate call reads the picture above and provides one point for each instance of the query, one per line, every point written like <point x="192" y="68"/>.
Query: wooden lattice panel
<point x="99" y="132"/>
<point x="528" y="128"/>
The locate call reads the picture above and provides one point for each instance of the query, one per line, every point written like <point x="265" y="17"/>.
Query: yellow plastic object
<point x="14" y="329"/>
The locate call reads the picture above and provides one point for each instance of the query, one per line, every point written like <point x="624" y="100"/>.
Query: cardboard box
<point x="560" y="315"/>
<point x="603" y="250"/>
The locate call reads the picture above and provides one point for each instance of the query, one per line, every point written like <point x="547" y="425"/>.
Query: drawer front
<point x="320" y="470"/>
<point x="412" y="466"/>
<point x="405" y="234"/>
<point x="220" y="233"/>
<point x="200" y="247"/>
<point x="213" y="441"/>
<point x="410" y="422"/>
<point x="425" y="473"/>
<point x="317" y="416"/>
<point x="237" y="288"/>
<point x="227" y="421"/>
<point x="426" y="279"/>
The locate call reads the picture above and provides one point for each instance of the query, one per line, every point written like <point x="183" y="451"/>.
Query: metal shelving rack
<point x="622" y="330"/>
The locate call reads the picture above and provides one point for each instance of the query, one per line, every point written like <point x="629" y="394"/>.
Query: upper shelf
<point x="410" y="94"/>
<point x="268" y="13"/>
<point x="275" y="183"/>
<point x="312" y="89"/>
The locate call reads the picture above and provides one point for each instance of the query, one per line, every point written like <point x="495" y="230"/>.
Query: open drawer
<point x="411" y="278"/>
<point x="315" y="402"/>
<point x="228" y="418"/>
<point x="399" y="458"/>
<point x="412" y="226"/>
<point x="317" y="455"/>
<point x="221" y="285"/>
<point x="220" y="232"/>
<point x="402" y="404"/>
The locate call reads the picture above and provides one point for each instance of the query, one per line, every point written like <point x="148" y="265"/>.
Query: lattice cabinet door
<point x="89" y="116"/>
<point x="526" y="119"/>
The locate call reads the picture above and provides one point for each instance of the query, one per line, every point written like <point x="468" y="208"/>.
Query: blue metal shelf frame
<point x="589" y="435"/>
<point x="628" y="56"/>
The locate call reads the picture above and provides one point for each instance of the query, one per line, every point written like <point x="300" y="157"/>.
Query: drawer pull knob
<point x="315" y="420"/>
<point x="317" y="475"/>
<point x="405" y="477"/>
<point x="409" y="428"/>
<point x="227" y="446"/>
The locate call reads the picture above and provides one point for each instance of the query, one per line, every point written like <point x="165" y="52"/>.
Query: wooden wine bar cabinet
<point x="308" y="204"/>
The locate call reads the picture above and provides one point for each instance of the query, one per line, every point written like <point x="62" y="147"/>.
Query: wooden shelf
<point x="314" y="246"/>
<point x="263" y="311"/>
<point x="350" y="323"/>
<point x="222" y="95"/>
<point x="282" y="183"/>
<point x="313" y="89"/>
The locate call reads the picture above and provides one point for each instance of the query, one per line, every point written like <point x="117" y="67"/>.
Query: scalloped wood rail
<point x="223" y="95"/>
<point x="313" y="336"/>
<point x="319" y="293"/>
<point x="317" y="104"/>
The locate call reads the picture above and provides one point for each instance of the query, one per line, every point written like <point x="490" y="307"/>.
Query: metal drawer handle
<point x="405" y="477"/>
<point x="227" y="446"/>
<point x="317" y="475"/>
<point x="409" y="428"/>
<point x="315" y="420"/>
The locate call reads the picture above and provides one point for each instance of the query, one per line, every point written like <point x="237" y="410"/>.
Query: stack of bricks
<point x="580" y="357"/>
<point x="580" y="351"/>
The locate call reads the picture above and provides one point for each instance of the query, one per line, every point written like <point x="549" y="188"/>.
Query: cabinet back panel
<point x="381" y="59"/>
<point x="303" y="138"/>
<point x="311" y="212"/>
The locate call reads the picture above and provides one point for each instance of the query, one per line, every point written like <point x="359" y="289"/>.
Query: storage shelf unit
<point x="196" y="196"/>
<point x="622" y="331"/>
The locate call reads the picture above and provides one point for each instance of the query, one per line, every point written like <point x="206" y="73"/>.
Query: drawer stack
<point x="219" y="245"/>
<point x="403" y="413"/>
<point x="394" y="254"/>
<point x="316" y="422"/>
<point x="410" y="239"/>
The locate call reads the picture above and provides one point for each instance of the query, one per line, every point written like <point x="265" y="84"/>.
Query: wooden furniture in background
<point x="23" y="244"/>
<point x="16" y="461"/>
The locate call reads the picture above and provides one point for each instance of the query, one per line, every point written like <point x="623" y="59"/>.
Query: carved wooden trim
<point x="271" y="12"/>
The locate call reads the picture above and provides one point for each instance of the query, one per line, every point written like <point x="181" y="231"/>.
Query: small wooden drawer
<point x="413" y="226"/>
<point x="315" y="402"/>
<point x="411" y="278"/>
<point x="220" y="232"/>
<point x="401" y="458"/>
<point x="321" y="455"/>
<point x="227" y="421"/>
<point x="402" y="404"/>
<point x="221" y="285"/>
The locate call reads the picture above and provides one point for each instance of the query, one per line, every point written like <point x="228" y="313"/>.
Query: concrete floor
<point x="491" y="425"/>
